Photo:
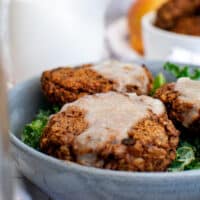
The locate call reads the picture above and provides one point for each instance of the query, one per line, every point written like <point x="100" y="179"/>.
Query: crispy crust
<point x="176" y="108"/>
<point x="66" y="84"/>
<point x="174" y="10"/>
<point x="63" y="85"/>
<point x="58" y="136"/>
<point x="151" y="145"/>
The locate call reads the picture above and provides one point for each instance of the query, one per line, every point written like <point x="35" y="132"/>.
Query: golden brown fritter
<point x="188" y="26"/>
<point x="178" y="110"/>
<point x="173" y="10"/>
<point x="58" y="136"/>
<point x="150" y="144"/>
<point x="67" y="84"/>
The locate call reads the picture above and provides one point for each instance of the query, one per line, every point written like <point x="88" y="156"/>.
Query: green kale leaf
<point x="32" y="131"/>
<point x="178" y="71"/>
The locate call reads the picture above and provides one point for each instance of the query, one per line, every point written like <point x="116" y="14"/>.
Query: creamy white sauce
<point x="124" y="74"/>
<point x="110" y="116"/>
<point x="189" y="91"/>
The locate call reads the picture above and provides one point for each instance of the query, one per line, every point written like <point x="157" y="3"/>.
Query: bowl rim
<point x="147" y="23"/>
<point x="68" y="165"/>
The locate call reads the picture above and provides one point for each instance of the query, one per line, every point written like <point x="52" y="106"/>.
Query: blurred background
<point x="45" y="34"/>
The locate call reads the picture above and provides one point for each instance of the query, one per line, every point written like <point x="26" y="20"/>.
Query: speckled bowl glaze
<point x="67" y="180"/>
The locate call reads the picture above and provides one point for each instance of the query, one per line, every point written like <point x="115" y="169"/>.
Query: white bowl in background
<point x="159" y="44"/>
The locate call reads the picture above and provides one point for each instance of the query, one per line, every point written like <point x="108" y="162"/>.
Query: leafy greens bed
<point x="188" y="152"/>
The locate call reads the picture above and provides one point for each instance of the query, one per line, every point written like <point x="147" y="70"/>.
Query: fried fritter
<point x="173" y="10"/>
<point x="182" y="101"/>
<point x="113" y="131"/>
<point x="188" y="26"/>
<point x="66" y="84"/>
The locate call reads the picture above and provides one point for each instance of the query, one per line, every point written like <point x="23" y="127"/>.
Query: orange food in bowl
<point x="136" y="12"/>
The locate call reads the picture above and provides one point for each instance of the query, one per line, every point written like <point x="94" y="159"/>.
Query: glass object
<point x="5" y="164"/>
<point x="5" y="168"/>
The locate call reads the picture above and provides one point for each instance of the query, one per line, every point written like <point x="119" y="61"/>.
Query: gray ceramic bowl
<point x="67" y="180"/>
